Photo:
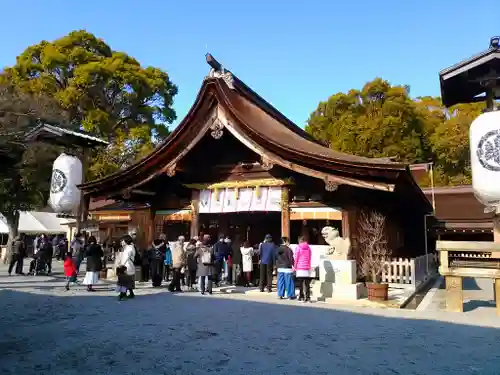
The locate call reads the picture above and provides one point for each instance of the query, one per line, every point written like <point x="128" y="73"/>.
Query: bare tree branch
<point x="373" y="245"/>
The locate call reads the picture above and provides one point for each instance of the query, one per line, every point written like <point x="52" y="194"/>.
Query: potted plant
<point x="374" y="253"/>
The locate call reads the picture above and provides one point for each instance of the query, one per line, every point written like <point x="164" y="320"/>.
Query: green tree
<point x="107" y="92"/>
<point x="25" y="178"/>
<point x="379" y="121"/>
<point x="383" y="120"/>
<point x="447" y="133"/>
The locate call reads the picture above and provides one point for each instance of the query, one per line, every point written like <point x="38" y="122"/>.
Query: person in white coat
<point x="247" y="262"/>
<point x="125" y="268"/>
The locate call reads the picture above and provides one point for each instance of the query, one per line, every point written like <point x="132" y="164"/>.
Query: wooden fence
<point x="410" y="273"/>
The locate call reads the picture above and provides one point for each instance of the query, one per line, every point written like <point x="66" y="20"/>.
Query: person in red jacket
<point x="69" y="271"/>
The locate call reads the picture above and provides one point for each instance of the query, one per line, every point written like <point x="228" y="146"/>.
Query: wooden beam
<point x="214" y="64"/>
<point x="285" y="212"/>
<point x="142" y="192"/>
<point x="151" y="227"/>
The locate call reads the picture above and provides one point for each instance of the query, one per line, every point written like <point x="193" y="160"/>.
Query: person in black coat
<point x="157" y="252"/>
<point x="191" y="264"/>
<point x="46" y="252"/>
<point x="145" y="264"/>
<point x="18" y="255"/>
<point x="94" y="254"/>
<point x="237" y="260"/>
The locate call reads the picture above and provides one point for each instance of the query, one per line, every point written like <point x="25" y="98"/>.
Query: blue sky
<point x="293" y="53"/>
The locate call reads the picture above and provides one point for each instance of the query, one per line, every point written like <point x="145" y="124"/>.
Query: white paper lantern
<point x="66" y="174"/>
<point x="484" y="137"/>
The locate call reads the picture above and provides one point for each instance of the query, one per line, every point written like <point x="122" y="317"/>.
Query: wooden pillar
<point x="349" y="224"/>
<point x="346" y="228"/>
<point x="150" y="235"/>
<point x="195" y="213"/>
<point x="285" y="212"/>
<point x="454" y="294"/>
<point x="83" y="207"/>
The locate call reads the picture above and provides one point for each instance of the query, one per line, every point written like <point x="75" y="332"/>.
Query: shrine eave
<point x="464" y="81"/>
<point x="225" y="104"/>
<point x="64" y="137"/>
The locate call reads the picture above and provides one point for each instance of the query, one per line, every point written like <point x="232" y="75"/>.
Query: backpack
<point x="206" y="256"/>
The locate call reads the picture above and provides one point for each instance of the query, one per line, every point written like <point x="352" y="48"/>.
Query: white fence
<point x="409" y="273"/>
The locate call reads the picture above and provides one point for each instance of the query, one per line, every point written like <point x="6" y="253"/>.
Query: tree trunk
<point x="13" y="225"/>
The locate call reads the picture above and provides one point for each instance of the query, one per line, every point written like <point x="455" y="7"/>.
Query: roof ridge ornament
<point x="495" y="42"/>
<point x="218" y="71"/>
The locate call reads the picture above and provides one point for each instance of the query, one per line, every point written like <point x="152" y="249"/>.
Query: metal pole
<point x="426" y="246"/>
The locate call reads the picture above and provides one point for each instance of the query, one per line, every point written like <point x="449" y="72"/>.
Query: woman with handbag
<point x="247" y="253"/>
<point x="125" y="269"/>
<point x="205" y="257"/>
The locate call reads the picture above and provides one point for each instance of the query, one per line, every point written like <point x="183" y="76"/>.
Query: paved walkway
<point x="46" y="330"/>
<point x="478" y="298"/>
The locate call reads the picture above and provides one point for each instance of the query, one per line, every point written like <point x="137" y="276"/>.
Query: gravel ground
<point x="46" y="330"/>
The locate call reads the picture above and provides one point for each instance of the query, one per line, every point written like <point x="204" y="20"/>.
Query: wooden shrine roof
<point x="458" y="204"/>
<point x="64" y="137"/>
<point x="461" y="82"/>
<point x="226" y="104"/>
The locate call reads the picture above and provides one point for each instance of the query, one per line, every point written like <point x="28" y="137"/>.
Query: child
<point x="69" y="270"/>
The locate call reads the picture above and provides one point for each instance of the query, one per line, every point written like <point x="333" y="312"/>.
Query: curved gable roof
<point x="258" y="121"/>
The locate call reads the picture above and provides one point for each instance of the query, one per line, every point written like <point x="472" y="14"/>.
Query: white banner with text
<point x="240" y="200"/>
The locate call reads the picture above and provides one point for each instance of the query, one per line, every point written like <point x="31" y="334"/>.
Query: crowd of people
<point x="201" y="264"/>
<point x="197" y="264"/>
<point x="44" y="250"/>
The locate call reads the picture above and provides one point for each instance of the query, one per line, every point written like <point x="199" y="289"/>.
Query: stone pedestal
<point x="454" y="294"/>
<point x="337" y="280"/>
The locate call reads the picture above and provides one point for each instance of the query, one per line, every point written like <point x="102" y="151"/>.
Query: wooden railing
<point x="409" y="272"/>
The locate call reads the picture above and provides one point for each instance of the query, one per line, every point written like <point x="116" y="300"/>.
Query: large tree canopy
<point x="377" y="121"/>
<point x="25" y="177"/>
<point x="382" y="120"/>
<point x="106" y="92"/>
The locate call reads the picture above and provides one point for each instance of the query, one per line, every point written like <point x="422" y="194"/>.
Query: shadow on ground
<point x="468" y="284"/>
<point x="191" y="334"/>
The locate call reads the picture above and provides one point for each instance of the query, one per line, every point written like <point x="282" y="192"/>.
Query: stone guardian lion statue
<point x="339" y="247"/>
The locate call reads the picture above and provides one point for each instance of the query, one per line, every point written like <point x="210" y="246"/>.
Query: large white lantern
<point x="66" y="174"/>
<point x="484" y="137"/>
